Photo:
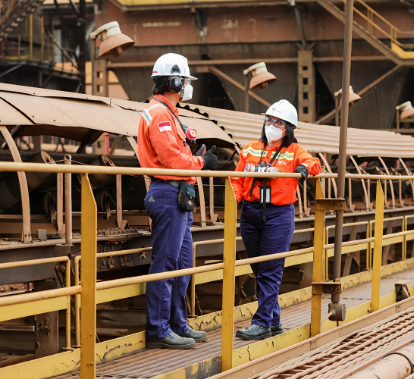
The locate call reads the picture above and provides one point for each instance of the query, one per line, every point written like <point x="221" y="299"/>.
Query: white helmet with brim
<point x="283" y="110"/>
<point x="170" y="64"/>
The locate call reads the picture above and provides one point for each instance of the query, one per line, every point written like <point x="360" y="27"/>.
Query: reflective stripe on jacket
<point x="283" y="190"/>
<point x="162" y="143"/>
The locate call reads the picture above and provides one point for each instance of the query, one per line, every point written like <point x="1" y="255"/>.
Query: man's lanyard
<point x="173" y="113"/>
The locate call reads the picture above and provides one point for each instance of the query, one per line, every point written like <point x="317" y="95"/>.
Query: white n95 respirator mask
<point x="187" y="93"/>
<point x="273" y="133"/>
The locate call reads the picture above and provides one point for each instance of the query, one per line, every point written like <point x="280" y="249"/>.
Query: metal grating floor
<point x="149" y="363"/>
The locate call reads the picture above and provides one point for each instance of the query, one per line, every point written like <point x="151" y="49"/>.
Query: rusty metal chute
<point x="9" y="185"/>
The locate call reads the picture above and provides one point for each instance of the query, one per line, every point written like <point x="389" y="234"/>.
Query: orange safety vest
<point x="283" y="190"/>
<point x="162" y="143"/>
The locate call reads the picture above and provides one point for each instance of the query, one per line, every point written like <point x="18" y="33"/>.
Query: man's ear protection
<point x="175" y="84"/>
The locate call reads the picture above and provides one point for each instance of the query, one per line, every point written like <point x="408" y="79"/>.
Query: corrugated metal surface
<point x="245" y="128"/>
<point x="149" y="363"/>
<point x="57" y="113"/>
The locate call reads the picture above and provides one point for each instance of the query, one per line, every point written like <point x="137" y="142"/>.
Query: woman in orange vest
<point x="267" y="217"/>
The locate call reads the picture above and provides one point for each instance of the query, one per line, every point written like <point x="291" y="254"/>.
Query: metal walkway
<point x="151" y="363"/>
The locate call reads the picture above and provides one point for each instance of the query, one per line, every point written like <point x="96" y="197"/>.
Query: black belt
<point x="174" y="183"/>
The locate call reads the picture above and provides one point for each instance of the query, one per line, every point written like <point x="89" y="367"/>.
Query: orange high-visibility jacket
<point x="283" y="190"/>
<point x="162" y="143"/>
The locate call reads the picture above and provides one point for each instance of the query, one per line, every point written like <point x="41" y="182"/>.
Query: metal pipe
<point x="68" y="315"/>
<point x="43" y="295"/>
<point x="33" y="262"/>
<point x="84" y="169"/>
<point x="68" y="202"/>
<point x="343" y="141"/>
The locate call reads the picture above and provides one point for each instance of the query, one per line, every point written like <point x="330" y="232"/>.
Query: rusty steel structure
<point x="40" y="216"/>
<point x="223" y="38"/>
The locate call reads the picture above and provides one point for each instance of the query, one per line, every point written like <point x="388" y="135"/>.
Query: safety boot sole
<point x="278" y="332"/>
<point x="197" y="340"/>
<point x="162" y="345"/>
<point x="251" y="337"/>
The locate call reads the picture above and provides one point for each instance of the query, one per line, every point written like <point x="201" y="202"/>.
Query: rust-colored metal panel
<point x="376" y="107"/>
<point x="10" y="115"/>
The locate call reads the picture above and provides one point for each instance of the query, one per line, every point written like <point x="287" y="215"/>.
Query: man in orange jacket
<point x="163" y="142"/>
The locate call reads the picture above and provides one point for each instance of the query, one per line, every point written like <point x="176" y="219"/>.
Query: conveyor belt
<point x="150" y="363"/>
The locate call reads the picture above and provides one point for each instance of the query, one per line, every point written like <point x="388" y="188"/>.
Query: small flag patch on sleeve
<point x="164" y="126"/>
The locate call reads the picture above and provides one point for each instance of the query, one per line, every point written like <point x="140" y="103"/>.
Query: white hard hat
<point x="283" y="110"/>
<point x="171" y="63"/>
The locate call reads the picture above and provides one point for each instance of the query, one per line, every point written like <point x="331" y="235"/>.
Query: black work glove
<point x="210" y="159"/>
<point x="201" y="151"/>
<point x="301" y="169"/>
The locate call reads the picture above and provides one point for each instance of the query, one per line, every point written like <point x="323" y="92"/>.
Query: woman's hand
<point x="301" y="169"/>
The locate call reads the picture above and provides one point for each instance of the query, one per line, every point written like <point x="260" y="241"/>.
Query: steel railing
<point x="88" y="288"/>
<point x="376" y="22"/>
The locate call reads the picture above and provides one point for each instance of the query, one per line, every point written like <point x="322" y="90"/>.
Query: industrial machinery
<point x="40" y="213"/>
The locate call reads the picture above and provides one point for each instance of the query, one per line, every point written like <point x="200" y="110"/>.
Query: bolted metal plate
<point x="326" y="287"/>
<point x="330" y="205"/>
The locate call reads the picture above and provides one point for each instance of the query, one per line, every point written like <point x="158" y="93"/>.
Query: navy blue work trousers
<point x="172" y="249"/>
<point x="263" y="238"/>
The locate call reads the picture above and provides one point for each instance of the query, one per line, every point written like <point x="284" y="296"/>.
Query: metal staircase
<point x="13" y="12"/>
<point x="376" y="27"/>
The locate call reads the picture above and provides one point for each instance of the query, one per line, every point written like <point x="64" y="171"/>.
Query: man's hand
<point x="210" y="159"/>
<point x="301" y="169"/>
<point x="201" y="151"/>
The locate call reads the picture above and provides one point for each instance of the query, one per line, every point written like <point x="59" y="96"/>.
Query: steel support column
<point x="342" y="144"/>
<point x="306" y="86"/>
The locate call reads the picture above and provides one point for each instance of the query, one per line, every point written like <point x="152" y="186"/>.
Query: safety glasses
<point x="278" y="123"/>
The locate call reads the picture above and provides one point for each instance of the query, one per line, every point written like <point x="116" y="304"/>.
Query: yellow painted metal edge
<point x="261" y="348"/>
<point x="109" y="294"/>
<point x="202" y="369"/>
<point x="401" y="53"/>
<point x="61" y="363"/>
<point x="246" y="311"/>
<point x="11" y="312"/>
<point x="270" y="345"/>
<point x="207" y="277"/>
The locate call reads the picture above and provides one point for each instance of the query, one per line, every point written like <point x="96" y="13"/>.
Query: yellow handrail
<point x="88" y="286"/>
<point x="393" y="33"/>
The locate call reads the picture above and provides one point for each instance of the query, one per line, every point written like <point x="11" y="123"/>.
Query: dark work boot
<point x="254" y="332"/>
<point x="276" y="329"/>
<point x="198" y="336"/>
<point x="171" y="341"/>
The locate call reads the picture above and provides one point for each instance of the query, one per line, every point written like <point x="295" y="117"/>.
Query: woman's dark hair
<point x="287" y="139"/>
<point x="160" y="85"/>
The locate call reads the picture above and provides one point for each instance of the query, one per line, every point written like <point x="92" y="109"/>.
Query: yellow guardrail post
<point x="376" y="264"/>
<point x="88" y="280"/>
<point x="77" y="304"/>
<point x="317" y="270"/>
<point x="404" y="244"/>
<point x="229" y="260"/>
